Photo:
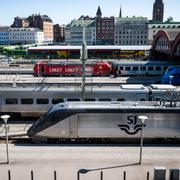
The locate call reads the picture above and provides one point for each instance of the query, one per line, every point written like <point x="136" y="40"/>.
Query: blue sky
<point x="63" y="11"/>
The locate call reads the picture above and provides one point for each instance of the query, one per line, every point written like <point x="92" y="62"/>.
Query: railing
<point x="123" y="177"/>
<point x="173" y="175"/>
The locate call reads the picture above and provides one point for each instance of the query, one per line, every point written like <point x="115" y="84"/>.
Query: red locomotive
<point x="93" y="68"/>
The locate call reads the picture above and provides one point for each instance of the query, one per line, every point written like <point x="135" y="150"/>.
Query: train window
<point x="164" y="68"/>
<point x="57" y="100"/>
<point x="158" y="68"/>
<point x="42" y="101"/>
<point x="121" y="68"/>
<point x="90" y="99"/>
<point x="73" y="99"/>
<point x="150" y="68"/>
<point x="27" y="101"/>
<point x="142" y="99"/>
<point x="143" y="68"/>
<point x="11" y="101"/>
<point x="121" y="99"/>
<point x="104" y="99"/>
<point x="135" y="68"/>
<point x="127" y="68"/>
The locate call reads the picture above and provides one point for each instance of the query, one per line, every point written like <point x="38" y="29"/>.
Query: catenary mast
<point x="83" y="59"/>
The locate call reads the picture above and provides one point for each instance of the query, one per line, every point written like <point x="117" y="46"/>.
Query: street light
<point x="143" y="119"/>
<point x="82" y="171"/>
<point x="5" y="119"/>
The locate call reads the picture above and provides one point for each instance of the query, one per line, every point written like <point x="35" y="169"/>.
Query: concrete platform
<point x="67" y="160"/>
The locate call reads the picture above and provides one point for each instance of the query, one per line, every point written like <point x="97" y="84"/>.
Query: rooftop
<point x="165" y="25"/>
<point x="24" y="29"/>
<point x="4" y="28"/>
<point x="100" y="47"/>
<point x="133" y="18"/>
<point x="82" y="22"/>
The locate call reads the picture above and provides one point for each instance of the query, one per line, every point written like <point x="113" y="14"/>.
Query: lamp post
<point x="5" y="119"/>
<point x="143" y="119"/>
<point x="81" y="171"/>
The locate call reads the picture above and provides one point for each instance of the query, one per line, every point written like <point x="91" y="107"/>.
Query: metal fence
<point x="101" y="176"/>
<point x="159" y="174"/>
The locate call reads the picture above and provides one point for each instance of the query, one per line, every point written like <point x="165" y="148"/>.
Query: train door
<point x="73" y="126"/>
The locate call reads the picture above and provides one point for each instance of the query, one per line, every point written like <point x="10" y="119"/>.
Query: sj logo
<point x="132" y="126"/>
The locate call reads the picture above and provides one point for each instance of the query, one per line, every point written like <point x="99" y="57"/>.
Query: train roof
<point x="62" y="111"/>
<point x="79" y="62"/>
<point x="147" y="63"/>
<point x="95" y="47"/>
<point x="162" y="87"/>
<point x="126" y="88"/>
<point x="114" y="105"/>
<point x="65" y="90"/>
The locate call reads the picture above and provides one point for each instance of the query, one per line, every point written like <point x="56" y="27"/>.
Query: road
<point x="68" y="159"/>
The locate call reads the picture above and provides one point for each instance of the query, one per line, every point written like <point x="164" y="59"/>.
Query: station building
<point x="166" y="46"/>
<point x="154" y="27"/>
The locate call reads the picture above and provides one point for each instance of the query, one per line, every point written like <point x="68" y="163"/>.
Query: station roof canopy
<point x="59" y="48"/>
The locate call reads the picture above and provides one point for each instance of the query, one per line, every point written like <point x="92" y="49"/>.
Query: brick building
<point x="104" y="29"/>
<point x="20" y="22"/>
<point x="59" y="33"/>
<point x="158" y="10"/>
<point x="44" y="23"/>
